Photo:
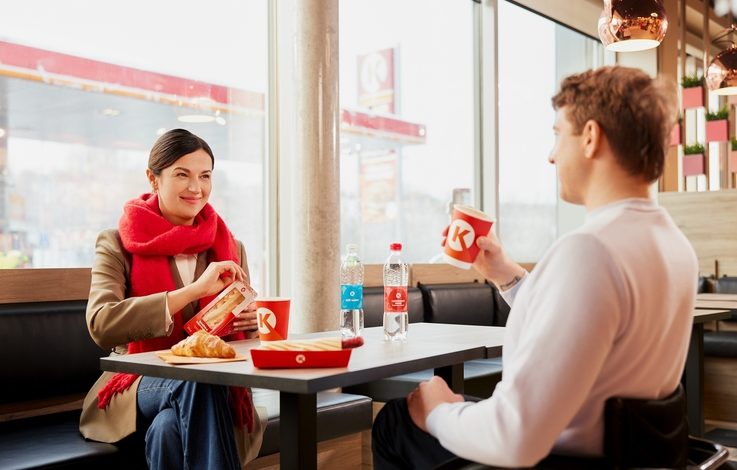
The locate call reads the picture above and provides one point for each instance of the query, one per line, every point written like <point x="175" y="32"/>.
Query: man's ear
<point x="591" y="138"/>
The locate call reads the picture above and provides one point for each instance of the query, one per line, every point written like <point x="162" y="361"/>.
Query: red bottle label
<point x="395" y="299"/>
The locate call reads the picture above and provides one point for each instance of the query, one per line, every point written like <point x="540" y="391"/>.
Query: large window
<point x="534" y="54"/>
<point x="85" y="93"/>
<point x="407" y="134"/>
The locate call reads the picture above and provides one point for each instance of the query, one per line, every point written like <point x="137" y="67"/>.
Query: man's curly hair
<point x="637" y="114"/>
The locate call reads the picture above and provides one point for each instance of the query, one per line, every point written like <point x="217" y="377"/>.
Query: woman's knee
<point x="164" y="428"/>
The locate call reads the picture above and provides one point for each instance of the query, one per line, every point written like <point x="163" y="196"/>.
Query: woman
<point x="170" y="255"/>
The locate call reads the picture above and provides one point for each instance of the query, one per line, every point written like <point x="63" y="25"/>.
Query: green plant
<point x="734" y="143"/>
<point x="690" y="81"/>
<point x="693" y="149"/>
<point x="718" y="115"/>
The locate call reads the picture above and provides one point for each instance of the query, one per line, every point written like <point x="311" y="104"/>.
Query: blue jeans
<point x="188" y="425"/>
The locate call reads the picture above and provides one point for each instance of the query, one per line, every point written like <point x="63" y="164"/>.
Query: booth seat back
<point x="726" y="285"/>
<point x="467" y="304"/>
<point x="706" y="285"/>
<point x="373" y="306"/>
<point x="47" y="351"/>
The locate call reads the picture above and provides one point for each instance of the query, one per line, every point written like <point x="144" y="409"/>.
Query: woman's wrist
<point x="177" y="299"/>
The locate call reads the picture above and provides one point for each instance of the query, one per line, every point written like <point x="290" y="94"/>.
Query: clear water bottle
<point x="396" y="276"/>
<point x="351" y="293"/>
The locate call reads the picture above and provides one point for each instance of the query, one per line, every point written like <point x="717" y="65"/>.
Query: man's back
<point x="653" y="271"/>
<point x="607" y="312"/>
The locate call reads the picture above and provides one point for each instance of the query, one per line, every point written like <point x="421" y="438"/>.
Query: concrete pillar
<point x="309" y="105"/>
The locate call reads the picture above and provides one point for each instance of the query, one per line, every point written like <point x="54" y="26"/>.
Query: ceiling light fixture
<point x="632" y="25"/>
<point x="721" y="75"/>
<point x="201" y="110"/>
<point x="195" y="118"/>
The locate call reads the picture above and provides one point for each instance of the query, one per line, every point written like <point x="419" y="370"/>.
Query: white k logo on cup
<point x="466" y="225"/>
<point x="266" y="320"/>
<point x="460" y="235"/>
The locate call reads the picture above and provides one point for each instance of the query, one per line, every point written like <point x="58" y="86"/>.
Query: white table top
<point x="704" y="315"/>
<point x="726" y="297"/>
<point x="429" y="345"/>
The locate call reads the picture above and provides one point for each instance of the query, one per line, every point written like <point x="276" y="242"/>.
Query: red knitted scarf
<point x="151" y="240"/>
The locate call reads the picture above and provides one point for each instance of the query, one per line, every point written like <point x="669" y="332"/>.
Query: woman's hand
<point x="246" y="320"/>
<point x="217" y="277"/>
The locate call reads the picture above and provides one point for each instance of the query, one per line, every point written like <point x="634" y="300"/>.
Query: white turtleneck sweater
<point x="606" y="312"/>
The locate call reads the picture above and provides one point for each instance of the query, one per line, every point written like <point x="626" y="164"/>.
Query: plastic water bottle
<point x="351" y="293"/>
<point x="396" y="276"/>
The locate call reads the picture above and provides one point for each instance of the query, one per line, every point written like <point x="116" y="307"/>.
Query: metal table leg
<point x="693" y="381"/>
<point x="453" y="376"/>
<point x="298" y="431"/>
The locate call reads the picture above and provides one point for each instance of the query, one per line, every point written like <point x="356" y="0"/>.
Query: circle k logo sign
<point x="266" y="320"/>
<point x="460" y="235"/>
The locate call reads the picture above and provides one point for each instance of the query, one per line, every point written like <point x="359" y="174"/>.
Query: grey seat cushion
<point x="338" y="414"/>
<point x="479" y="379"/>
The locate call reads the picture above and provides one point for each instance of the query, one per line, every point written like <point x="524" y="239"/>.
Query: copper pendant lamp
<point x="721" y="75"/>
<point x="632" y="25"/>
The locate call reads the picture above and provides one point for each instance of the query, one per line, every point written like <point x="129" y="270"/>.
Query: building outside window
<point x="407" y="133"/>
<point x="531" y="65"/>
<point x="83" y="96"/>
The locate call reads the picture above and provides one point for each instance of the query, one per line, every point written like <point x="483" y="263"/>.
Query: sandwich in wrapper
<point x="217" y="316"/>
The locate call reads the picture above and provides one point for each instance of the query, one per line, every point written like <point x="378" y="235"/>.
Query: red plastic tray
<point x="265" y="359"/>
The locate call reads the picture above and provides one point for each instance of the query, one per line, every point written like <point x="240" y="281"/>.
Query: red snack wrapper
<point x="217" y="316"/>
<point x="265" y="359"/>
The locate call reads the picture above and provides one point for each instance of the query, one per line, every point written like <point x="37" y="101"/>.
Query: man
<point x="606" y="312"/>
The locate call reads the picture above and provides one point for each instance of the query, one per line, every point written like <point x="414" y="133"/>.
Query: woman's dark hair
<point x="173" y="145"/>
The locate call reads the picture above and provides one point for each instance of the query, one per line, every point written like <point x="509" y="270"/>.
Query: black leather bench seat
<point x="470" y="304"/>
<point x="51" y="442"/>
<point x="720" y="343"/>
<point x="54" y="441"/>
<point x="57" y="357"/>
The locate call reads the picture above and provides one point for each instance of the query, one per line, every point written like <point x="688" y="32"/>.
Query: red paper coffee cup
<point x="466" y="225"/>
<point x="272" y="314"/>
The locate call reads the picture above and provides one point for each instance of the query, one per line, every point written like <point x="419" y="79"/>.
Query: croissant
<point x="203" y="344"/>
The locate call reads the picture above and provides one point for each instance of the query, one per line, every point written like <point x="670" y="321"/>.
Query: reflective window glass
<point x="84" y="93"/>
<point x="531" y="65"/>
<point x="407" y="124"/>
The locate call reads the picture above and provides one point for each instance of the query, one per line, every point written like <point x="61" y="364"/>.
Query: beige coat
<point x="114" y="320"/>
